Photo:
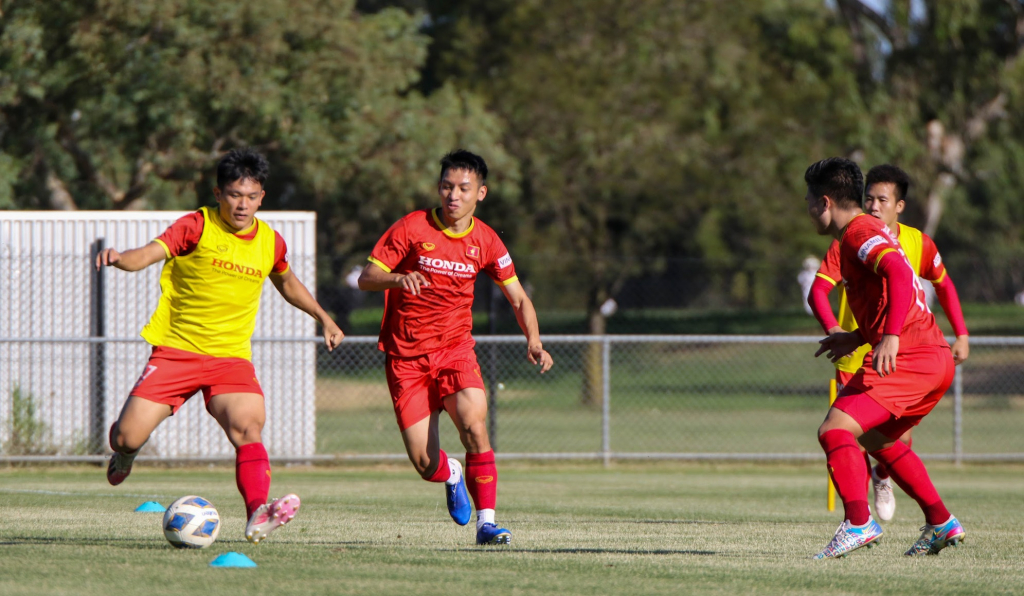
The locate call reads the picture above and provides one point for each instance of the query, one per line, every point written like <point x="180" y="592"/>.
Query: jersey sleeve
<point x="280" y="255"/>
<point x="392" y="247"/>
<point x="869" y="244"/>
<point x="499" y="264"/>
<point x="829" y="270"/>
<point x="932" y="267"/>
<point x="182" y="236"/>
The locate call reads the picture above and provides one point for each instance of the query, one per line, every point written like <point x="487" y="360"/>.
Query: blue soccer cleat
<point x="458" y="499"/>
<point x="848" y="539"/>
<point x="935" y="538"/>
<point x="492" y="534"/>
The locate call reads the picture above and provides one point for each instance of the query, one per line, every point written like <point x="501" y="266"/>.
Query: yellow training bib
<point x="209" y="297"/>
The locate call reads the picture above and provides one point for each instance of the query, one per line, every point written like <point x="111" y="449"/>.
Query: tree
<point x="126" y="104"/>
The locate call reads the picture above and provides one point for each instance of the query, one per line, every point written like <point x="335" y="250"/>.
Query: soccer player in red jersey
<point x="215" y="263"/>
<point x="905" y="374"/>
<point x="885" y="198"/>
<point x="427" y="264"/>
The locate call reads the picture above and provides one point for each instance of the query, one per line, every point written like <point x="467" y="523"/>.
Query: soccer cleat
<point x="848" y="539"/>
<point x="120" y="467"/>
<point x="492" y="534"/>
<point x="935" y="538"/>
<point x="458" y="499"/>
<point x="271" y="516"/>
<point x="885" y="500"/>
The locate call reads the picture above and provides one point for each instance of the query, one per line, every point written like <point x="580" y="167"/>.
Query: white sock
<point x="864" y="525"/>
<point x="455" y="468"/>
<point x="484" y="516"/>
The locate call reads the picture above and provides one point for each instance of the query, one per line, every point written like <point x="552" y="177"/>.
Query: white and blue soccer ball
<point x="191" y="522"/>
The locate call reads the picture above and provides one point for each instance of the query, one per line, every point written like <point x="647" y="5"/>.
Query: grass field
<point x="656" y="528"/>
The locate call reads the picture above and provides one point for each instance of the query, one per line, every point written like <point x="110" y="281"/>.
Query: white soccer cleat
<point x="885" y="500"/>
<point x="271" y="516"/>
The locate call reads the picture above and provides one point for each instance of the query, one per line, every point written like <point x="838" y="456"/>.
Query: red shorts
<point x="172" y="376"/>
<point x="923" y="374"/>
<point x="419" y="384"/>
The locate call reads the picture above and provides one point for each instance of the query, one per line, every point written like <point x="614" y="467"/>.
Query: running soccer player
<point x="905" y="374"/>
<point x="885" y="198"/>
<point x="215" y="261"/>
<point x="426" y="264"/>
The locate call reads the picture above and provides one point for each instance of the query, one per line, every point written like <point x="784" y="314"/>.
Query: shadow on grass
<point x="51" y="541"/>
<point x="586" y="551"/>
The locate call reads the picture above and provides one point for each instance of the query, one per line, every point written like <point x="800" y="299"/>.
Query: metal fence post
<point x="958" y="416"/>
<point x="97" y="328"/>
<point x="606" y="400"/>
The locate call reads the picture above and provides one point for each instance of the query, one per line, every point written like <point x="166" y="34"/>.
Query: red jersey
<point x="182" y="237"/>
<point x="441" y="315"/>
<point x="864" y="242"/>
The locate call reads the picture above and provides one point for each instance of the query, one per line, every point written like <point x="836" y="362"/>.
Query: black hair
<point x="460" y="159"/>
<point x="892" y="174"/>
<point x="242" y="164"/>
<point x="837" y="177"/>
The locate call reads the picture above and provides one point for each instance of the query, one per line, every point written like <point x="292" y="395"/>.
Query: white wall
<point x="46" y="292"/>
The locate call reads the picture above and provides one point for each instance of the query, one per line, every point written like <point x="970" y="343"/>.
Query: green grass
<point x="982" y="319"/>
<point x="743" y="398"/>
<point x="635" y="528"/>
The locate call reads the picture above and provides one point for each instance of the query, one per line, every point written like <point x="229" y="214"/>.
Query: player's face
<point x="239" y="201"/>
<point x="880" y="201"/>
<point x="819" y="213"/>
<point x="460" y="191"/>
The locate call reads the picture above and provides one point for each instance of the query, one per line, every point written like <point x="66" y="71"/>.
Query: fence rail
<point x="611" y="397"/>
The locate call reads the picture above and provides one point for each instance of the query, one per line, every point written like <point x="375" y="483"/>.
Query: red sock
<point x="252" y="474"/>
<point x="443" y="472"/>
<point x="846" y="466"/>
<point x="482" y="479"/>
<point x="910" y="475"/>
<point x="881" y="471"/>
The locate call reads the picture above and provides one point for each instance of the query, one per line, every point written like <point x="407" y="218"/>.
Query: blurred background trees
<point x="635" y="146"/>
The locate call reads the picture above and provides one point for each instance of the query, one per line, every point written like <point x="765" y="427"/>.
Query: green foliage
<point x="27" y="435"/>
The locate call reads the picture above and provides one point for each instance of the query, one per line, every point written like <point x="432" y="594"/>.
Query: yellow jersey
<point x="210" y="296"/>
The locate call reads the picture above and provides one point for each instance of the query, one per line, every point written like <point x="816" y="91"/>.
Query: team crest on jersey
<point x="473" y="252"/>
<point x="222" y="248"/>
<point x="428" y="246"/>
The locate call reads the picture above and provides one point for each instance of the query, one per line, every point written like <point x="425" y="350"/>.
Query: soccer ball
<point x="191" y="522"/>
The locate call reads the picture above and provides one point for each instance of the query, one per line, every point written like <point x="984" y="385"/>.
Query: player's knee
<point x="424" y="466"/>
<point x="250" y="432"/>
<point x="123" y="441"/>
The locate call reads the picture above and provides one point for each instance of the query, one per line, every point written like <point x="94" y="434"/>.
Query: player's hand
<point x="839" y="344"/>
<point x="107" y="257"/>
<point x="332" y="334"/>
<point x="536" y="354"/>
<point x="413" y="282"/>
<point x="884" y="358"/>
<point x="961" y="349"/>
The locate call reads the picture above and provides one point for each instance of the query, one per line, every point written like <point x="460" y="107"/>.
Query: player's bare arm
<point x="839" y="343"/>
<point x="375" y="279"/>
<point x="135" y="259"/>
<point x="526" y="316"/>
<point x="296" y="294"/>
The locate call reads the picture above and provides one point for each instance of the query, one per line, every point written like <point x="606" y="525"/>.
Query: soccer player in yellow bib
<point x="215" y="262"/>
<point x="885" y="198"/>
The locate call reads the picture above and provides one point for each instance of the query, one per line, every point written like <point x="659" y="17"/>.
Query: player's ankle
<point x="484" y="516"/>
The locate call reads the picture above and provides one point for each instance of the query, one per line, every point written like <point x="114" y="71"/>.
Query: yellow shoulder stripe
<point x="167" y="251"/>
<point x="826" y="278"/>
<point x="878" y="259"/>
<point x="379" y="264"/>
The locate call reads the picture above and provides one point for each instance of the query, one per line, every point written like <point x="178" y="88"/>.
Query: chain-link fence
<point x="608" y="397"/>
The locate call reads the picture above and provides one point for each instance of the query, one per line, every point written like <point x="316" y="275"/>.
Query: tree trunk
<point x="593" y="365"/>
